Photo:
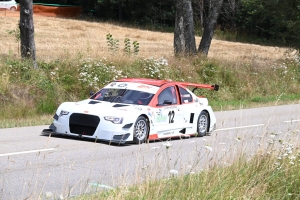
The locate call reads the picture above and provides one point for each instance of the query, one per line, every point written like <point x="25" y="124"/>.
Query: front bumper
<point x="118" y="135"/>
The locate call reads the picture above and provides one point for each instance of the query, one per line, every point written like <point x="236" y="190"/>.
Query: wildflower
<point x="292" y="158"/>
<point x="208" y="148"/>
<point x="173" y="172"/>
<point x="292" y="163"/>
<point x="61" y="197"/>
<point x="144" y="167"/>
<point x="272" y="136"/>
<point x="49" y="195"/>
<point x="167" y="144"/>
<point x="238" y="139"/>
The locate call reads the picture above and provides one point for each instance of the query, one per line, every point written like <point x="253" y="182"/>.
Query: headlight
<point x="115" y="120"/>
<point x="63" y="112"/>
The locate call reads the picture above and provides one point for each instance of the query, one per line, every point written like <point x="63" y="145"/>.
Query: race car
<point x="135" y="110"/>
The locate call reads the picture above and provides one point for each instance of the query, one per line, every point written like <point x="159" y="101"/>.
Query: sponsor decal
<point x="122" y="85"/>
<point x="196" y="100"/>
<point x="168" y="133"/>
<point x="152" y="123"/>
<point x="170" y="107"/>
<point x="86" y="111"/>
<point x="113" y="84"/>
<point x="160" y="118"/>
<point x="144" y="86"/>
<point x="138" y="108"/>
<point x="186" y="95"/>
<point x="123" y="109"/>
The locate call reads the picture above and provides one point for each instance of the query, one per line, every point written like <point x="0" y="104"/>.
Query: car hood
<point x="101" y="108"/>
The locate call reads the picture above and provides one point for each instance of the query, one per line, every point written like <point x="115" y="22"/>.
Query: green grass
<point x="273" y="175"/>
<point x="29" y="97"/>
<point x="28" y="93"/>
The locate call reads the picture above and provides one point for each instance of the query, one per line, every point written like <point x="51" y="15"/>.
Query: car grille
<point x="83" y="124"/>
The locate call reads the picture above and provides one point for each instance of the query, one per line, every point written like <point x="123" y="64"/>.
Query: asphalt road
<point x="33" y="166"/>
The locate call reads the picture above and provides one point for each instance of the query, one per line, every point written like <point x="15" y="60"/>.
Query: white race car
<point x="136" y="110"/>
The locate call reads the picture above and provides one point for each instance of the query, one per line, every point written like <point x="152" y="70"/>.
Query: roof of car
<point x="159" y="83"/>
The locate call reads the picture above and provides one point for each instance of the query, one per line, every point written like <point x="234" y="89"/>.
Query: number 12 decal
<point x="171" y="116"/>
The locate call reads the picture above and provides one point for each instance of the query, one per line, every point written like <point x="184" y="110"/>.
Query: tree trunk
<point x="184" y="35"/>
<point x="210" y="26"/>
<point x="27" y="31"/>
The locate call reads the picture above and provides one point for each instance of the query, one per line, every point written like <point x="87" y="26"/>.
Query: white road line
<point x="240" y="127"/>
<point x="24" y="152"/>
<point x="294" y="120"/>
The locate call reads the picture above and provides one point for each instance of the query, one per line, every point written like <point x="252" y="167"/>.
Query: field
<point x="249" y="76"/>
<point x="65" y="47"/>
<point x="57" y="37"/>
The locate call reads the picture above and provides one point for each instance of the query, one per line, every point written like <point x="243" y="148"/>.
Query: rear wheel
<point x="202" y="124"/>
<point x="140" y="131"/>
<point x="13" y="8"/>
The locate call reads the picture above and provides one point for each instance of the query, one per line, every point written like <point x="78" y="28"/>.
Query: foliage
<point x="127" y="49"/>
<point x="271" y="173"/>
<point x="42" y="90"/>
<point x="136" y="47"/>
<point x="16" y="33"/>
<point x="113" y="44"/>
<point x="264" y="19"/>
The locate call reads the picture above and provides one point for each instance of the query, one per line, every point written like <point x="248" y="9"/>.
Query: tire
<point x="140" y="131"/>
<point x="13" y="8"/>
<point x="202" y="124"/>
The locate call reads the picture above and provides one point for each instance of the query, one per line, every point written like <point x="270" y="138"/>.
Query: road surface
<point x="34" y="166"/>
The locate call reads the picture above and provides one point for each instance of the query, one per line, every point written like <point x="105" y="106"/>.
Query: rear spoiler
<point x="196" y="86"/>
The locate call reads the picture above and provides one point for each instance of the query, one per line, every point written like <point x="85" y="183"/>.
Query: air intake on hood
<point x="119" y="105"/>
<point x="94" y="102"/>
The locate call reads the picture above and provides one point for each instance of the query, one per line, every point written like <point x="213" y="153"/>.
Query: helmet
<point x="145" y="95"/>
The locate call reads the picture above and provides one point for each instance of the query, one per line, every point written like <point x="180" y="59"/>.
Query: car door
<point x="168" y="113"/>
<point x="188" y="107"/>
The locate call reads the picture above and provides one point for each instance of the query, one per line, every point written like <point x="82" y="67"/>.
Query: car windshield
<point x="123" y="96"/>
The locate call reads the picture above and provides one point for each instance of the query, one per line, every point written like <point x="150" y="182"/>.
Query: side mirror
<point x="167" y="102"/>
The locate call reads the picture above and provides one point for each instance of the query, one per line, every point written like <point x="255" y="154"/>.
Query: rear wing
<point x="196" y="86"/>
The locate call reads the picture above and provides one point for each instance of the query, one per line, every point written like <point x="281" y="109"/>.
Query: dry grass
<point x="57" y="37"/>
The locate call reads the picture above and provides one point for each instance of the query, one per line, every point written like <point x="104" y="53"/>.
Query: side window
<point x="186" y="97"/>
<point x="168" y="94"/>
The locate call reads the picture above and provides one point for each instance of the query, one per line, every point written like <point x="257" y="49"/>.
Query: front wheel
<point x="202" y="124"/>
<point x="140" y="131"/>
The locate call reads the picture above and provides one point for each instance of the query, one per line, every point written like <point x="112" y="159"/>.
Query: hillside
<point x="57" y="37"/>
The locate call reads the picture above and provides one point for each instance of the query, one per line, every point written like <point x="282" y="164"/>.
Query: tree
<point x="184" y="35"/>
<point x="210" y="26"/>
<point x="28" y="49"/>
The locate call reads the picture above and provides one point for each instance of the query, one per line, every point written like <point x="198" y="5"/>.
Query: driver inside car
<point x="144" y="98"/>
